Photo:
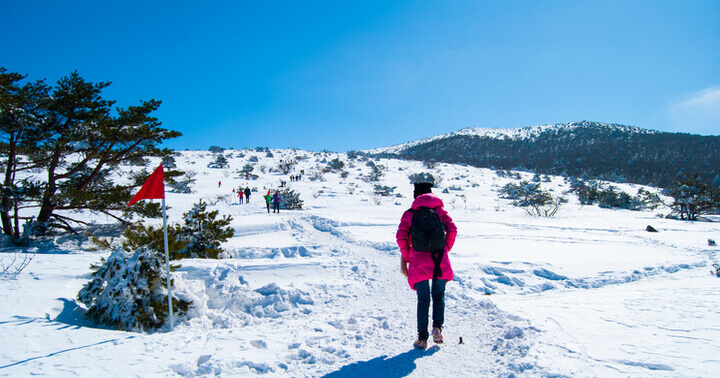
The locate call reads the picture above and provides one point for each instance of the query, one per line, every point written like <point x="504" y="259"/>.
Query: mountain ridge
<point x="582" y="149"/>
<point x="519" y="132"/>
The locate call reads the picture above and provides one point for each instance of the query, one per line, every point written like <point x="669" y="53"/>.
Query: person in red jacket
<point x="420" y="267"/>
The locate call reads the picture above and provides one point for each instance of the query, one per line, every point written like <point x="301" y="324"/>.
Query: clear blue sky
<point x="344" y="75"/>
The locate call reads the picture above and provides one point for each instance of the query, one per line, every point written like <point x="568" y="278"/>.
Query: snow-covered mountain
<point x="318" y="292"/>
<point x="527" y="132"/>
<point x="600" y="150"/>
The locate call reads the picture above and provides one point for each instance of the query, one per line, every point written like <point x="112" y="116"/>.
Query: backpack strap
<point x="437" y="257"/>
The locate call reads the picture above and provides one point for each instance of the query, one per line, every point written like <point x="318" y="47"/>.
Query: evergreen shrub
<point x="128" y="292"/>
<point x="421" y="177"/>
<point x="290" y="200"/>
<point x="200" y="236"/>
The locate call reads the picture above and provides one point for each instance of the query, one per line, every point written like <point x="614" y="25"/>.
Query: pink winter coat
<point x="421" y="265"/>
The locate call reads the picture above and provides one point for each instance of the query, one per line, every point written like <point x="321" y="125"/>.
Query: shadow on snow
<point x="398" y="366"/>
<point x="72" y="316"/>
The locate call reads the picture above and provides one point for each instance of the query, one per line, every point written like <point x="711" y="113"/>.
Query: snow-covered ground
<point x="318" y="292"/>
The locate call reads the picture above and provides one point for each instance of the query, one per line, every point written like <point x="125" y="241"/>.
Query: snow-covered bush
<point x="524" y="193"/>
<point x="613" y="197"/>
<point x="384" y="191"/>
<point x="335" y="165"/>
<point x="183" y="184"/>
<point x="532" y="197"/>
<point x="220" y="162"/>
<point x="508" y="174"/>
<point x="376" y="172"/>
<point x="543" y="178"/>
<point x="246" y="172"/>
<point x="316" y="175"/>
<point x="290" y="200"/>
<point x="286" y="166"/>
<point x="128" y="292"/>
<point x="591" y="192"/>
<point x="169" y="162"/>
<point x="421" y="177"/>
<point x="587" y="191"/>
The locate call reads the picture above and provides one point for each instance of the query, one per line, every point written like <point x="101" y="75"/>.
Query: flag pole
<point x="167" y="267"/>
<point x="154" y="188"/>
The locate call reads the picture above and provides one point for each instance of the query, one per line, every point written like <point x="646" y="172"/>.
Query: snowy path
<point x="367" y="312"/>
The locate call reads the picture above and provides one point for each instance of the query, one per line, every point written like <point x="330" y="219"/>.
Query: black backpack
<point x="427" y="231"/>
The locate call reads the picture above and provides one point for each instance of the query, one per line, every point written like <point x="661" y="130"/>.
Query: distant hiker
<point x="219" y="183"/>
<point x="268" y="200"/>
<point x="276" y="202"/>
<point x="247" y="194"/>
<point x="425" y="236"/>
<point x="240" y="195"/>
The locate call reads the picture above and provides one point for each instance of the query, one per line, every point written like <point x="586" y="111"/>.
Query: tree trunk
<point x="47" y="206"/>
<point x="6" y="223"/>
<point x="6" y="200"/>
<point x="17" y="222"/>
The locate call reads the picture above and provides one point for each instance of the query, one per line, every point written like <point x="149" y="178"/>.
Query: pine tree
<point x="220" y="162"/>
<point x="21" y="130"/>
<point x="376" y="172"/>
<point x="79" y="143"/>
<point x="693" y="197"/>
<point x="247" y="172"/>
<point x="290" y="200"/>
<point x="532" y="197"/>
<point x="202" y="234"/>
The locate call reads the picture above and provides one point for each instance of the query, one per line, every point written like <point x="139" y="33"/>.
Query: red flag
<point x="153" y="188"/>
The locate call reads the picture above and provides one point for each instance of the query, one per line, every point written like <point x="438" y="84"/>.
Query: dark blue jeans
<point x="423" y="307"/>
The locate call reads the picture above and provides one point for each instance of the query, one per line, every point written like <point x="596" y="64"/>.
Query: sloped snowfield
<point x="318" y="292"/>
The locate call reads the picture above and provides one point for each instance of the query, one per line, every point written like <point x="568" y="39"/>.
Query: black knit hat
<point x="422" y="188"/>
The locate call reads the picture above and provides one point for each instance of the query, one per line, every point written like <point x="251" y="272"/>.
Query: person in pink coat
<point x="420" y="267"/>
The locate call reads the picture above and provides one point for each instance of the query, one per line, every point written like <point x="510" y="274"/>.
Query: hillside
<point x="596" y="150"/>
<point x="318" y="292"/>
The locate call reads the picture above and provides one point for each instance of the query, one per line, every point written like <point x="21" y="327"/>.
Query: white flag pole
<point x="167" y="267"/>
